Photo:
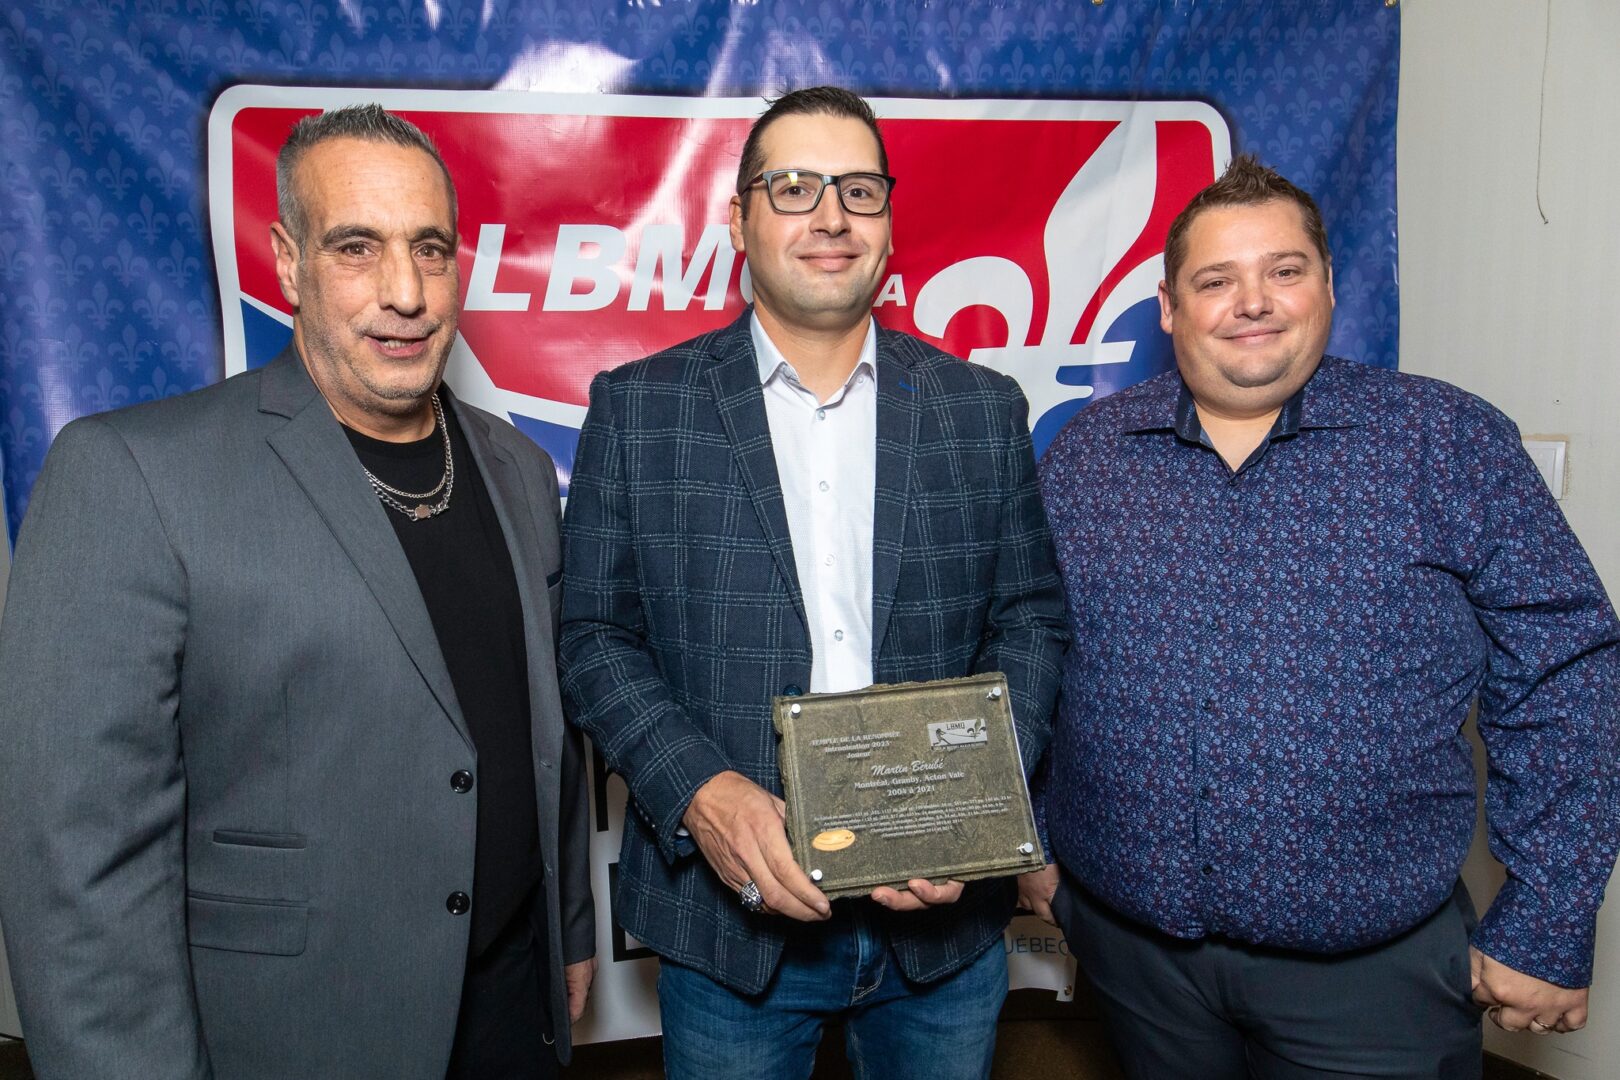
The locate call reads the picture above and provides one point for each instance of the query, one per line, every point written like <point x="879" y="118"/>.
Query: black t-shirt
<point x="464" y="571"/>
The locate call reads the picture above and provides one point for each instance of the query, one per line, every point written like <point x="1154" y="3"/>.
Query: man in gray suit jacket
<point x="285" y="789"/>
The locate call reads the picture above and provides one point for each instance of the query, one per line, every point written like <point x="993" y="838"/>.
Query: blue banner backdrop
<point x="107" y="290"/>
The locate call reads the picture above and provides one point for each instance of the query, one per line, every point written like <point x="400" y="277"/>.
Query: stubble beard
<point x="1253" y="378"/>
<point x="386" y="398"/>
<point x="846" y="302"/>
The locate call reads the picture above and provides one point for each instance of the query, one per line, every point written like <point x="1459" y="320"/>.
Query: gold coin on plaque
<point x="832" y="840"/>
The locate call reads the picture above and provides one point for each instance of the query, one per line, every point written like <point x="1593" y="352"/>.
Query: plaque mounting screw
<point x="794" y="710"/>
<point x="1026" y="848"/>
<point x="995" y="692"/>
<point x="815" y="875"/>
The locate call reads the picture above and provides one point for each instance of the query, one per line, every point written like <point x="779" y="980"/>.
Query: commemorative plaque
<point x="911" y="780"/>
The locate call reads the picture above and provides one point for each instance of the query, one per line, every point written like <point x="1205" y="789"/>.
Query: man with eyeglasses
<point x="800" y="501"/>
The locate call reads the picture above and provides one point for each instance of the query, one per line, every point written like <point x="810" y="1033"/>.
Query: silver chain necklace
<point x="423" y="510"/>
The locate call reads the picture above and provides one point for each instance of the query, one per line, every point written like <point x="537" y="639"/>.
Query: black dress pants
<point x="504" y="1030"/>
<point x="1216" y="1009"/>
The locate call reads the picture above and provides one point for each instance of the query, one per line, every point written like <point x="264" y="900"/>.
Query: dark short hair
<point x="370" y="123"/>
<point x="1246" y="182"/>
<point x="811" y="101"/>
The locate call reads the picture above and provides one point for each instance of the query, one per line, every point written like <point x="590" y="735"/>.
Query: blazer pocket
<point x="946" y="520"/>
<point x="249" y="892"/>
<point x="259" y="839"/>
<point x="237" y="924"/>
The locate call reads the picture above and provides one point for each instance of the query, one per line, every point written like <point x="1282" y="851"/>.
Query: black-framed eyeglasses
<point x="796" y="191"/>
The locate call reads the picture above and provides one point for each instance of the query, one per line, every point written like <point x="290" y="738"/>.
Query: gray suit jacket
<point x="227" y="828"/>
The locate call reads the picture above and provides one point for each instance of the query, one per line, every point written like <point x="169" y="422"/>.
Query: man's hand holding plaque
<point x="738" y="826"/>
<point x="920" y="893"/>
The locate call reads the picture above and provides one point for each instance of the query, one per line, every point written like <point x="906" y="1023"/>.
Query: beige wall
<point x="1520" y="312"/>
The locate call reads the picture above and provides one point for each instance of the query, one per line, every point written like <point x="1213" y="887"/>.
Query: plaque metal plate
<point x="903" y="781"/>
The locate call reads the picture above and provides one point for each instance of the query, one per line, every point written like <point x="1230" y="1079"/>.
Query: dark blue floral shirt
<point x="1259" y="731"/>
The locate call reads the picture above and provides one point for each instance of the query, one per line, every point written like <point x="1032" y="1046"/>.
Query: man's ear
<point x="286" y="252"/>
<point x="1167" y="308"/>
<point x="737" y="216"/>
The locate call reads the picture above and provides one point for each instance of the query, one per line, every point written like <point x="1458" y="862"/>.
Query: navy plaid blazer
<point x="682" y="612"/>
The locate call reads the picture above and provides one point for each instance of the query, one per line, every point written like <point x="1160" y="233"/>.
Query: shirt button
<point x="461" y="781"/>
<point x="1208" y="870"/>
<point x="458" y="903"/>
<point x="1206" y="792"/>
<point x="828" y="560"/>
<point x="1209" y="704"/>
<point x="791" y="690"/>
<point x="824" y="485"/>
<point x="821" y="414"/>
<point x="838" y="635"/>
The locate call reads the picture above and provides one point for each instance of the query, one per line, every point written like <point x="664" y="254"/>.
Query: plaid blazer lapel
<point x="898" y="413"/>
<point x="738" y="397"/>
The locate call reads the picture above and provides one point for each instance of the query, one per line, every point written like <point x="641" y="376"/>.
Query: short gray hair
<point x="370" y="123"/>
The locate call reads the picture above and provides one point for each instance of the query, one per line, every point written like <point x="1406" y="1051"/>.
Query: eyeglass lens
<point x="795" y="192"/>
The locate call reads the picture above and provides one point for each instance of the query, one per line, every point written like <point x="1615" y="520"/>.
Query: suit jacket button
<point x="457" y="903"/>
<point x="461" y="781"/>
<point x="791" y="690"/>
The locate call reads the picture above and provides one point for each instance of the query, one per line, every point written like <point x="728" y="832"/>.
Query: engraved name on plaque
<point x="911" y="780"/>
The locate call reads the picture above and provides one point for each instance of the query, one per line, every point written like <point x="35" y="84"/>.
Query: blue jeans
<point x="844" y="969"/>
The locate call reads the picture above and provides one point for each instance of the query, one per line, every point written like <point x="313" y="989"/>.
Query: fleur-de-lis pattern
<point x="104" y="262"/>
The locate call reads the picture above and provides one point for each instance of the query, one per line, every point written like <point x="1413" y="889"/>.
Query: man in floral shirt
<point x="1289" y="578"/>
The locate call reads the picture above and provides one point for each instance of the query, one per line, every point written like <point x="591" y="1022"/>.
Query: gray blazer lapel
<point x="515" y="511"/>
<point x="316" y="452"/>
<point x="898" y="414"/>
<point x="734" y="378"/>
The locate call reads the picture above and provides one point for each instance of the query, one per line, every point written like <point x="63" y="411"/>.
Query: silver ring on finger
<point x="1495" y="1015"/>
<point x="750" y="896"/>
<point x="1537" y="1027"/>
